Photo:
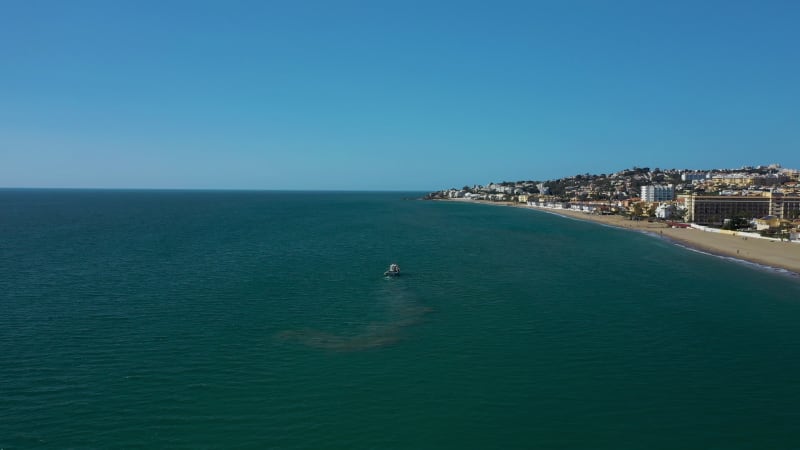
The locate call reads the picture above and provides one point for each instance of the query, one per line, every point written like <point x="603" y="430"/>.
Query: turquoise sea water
<point x="133" y="319"/>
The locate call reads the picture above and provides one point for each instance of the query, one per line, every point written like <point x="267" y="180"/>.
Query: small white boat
<point x="394" y="270"/>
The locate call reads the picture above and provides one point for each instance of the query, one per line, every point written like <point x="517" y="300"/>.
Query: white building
<point x="658" y="193"/>
<point x="693" y="176"/>
<point x="665" y="211"/>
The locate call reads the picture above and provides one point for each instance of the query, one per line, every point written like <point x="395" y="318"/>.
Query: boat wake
<point x="403" y="312"/>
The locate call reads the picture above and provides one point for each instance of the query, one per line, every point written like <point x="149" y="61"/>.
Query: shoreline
<point x="767" y="254"/>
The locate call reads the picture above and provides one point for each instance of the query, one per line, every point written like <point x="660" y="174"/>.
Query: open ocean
<point x="218" y="319"/>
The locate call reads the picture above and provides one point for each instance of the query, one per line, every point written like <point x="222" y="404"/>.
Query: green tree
<point x="637" y="210"/>
<point x="737" y="222"/>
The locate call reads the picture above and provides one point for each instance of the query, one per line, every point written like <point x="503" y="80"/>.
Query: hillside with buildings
<point x="761" y="198"/>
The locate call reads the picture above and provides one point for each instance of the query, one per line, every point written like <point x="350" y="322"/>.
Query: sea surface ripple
<point x="208" y="319"/>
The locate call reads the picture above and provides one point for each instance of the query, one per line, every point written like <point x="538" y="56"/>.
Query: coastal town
<point x="760" y="201"/>
<point x="750" y="214"/>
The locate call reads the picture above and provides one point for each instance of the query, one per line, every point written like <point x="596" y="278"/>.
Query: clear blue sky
<point x="390" y="94"/>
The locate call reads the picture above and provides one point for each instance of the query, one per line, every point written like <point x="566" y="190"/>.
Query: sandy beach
<point x="783" y="255"/>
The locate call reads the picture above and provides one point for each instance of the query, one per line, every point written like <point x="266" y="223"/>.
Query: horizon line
<point x="39" y="188"/>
